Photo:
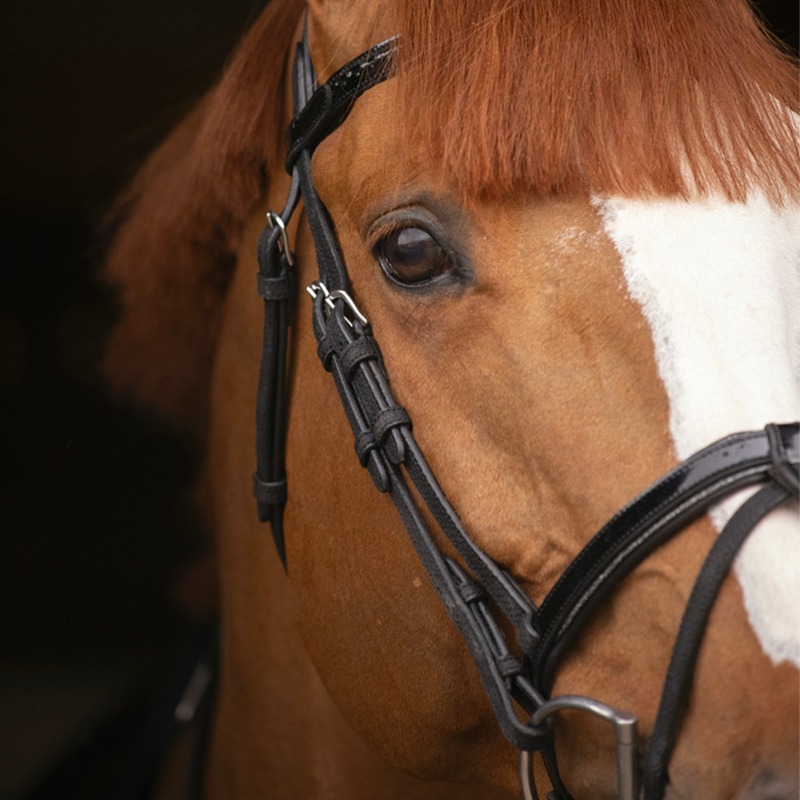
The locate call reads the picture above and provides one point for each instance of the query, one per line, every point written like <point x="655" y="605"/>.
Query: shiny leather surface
<point x="668" y="506"/>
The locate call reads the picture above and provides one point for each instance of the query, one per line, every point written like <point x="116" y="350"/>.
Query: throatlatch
<point x="517" y="681"/>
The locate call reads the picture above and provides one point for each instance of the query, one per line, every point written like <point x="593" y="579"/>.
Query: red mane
<point x="632" y="97"/>
<point x="174" y="251"/>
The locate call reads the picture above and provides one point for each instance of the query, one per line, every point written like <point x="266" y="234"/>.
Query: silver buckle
<point x="625" y="729"/>
<point x="276" y="221"/>
<point x="336" y="294"/>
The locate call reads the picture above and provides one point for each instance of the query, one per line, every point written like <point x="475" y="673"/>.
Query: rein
<point x="518" y="681"/>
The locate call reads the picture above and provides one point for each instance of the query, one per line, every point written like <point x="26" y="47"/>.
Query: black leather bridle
<point x="517" y="682"/>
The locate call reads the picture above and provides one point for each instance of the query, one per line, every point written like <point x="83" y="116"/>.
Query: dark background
<point x="96" y="525"/>
<point x="97" y="528"/>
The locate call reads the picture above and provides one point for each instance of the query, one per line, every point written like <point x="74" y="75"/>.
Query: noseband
<point x="518" y="681"/>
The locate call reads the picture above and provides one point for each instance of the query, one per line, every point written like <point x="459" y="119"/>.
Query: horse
<point x="572" y="228"/>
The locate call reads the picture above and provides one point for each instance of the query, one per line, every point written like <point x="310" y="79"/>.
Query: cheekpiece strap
<point x="272" y="401"/>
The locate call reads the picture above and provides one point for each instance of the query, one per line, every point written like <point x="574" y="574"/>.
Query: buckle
<point x="337" y="294"/>
<point x="276" y="221"/>
<point x="625" y="729"/>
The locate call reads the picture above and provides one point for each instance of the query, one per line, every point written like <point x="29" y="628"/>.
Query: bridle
<point x="517" y="682"/>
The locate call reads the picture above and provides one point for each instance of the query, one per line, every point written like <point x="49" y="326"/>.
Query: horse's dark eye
<point x="412" y="255"/>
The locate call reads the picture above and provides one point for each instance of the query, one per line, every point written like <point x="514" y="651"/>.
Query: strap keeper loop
<point x="509" y="666"/>
<point x="277" y="288"/>
<point x="269" y="492"/>
<point x="387" y="419"/>
<point x="358" y="351"/>
<point x="364" y="444"/>
<point x="471" y="592"/>
<point x="326" y="349"/>
<point x="781" y="469"/>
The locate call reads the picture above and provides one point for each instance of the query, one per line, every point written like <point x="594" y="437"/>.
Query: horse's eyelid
<point x="374" y="237"/>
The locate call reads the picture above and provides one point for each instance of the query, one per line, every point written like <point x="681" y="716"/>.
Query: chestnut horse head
<point x="573" y="230"/>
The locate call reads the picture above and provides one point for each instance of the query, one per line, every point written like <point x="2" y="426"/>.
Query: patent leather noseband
<point x="517" y="678"/>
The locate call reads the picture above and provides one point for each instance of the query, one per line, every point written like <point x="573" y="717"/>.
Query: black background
<point x="96" y="523"/>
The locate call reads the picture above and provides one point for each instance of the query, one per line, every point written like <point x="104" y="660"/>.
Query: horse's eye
<point x="412" y="256"/>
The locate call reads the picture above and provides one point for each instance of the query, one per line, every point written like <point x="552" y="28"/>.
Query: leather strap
<point x="668" y="506"/>
<point x="272" y="401"/>
<point x="687" y="644"/>
<point x="329" y="105"/>
<point x="367" y="399"/>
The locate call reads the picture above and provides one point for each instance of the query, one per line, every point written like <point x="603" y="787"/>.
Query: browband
<point x="329" y="105"/>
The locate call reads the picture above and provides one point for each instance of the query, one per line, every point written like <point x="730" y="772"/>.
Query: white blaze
<point x="719" y="285"/>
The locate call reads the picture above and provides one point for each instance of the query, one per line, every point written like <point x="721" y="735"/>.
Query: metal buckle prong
<point x="315" y="288"/>
<point x="336" y="294"/>
<point x="276" y="221"/>
<point x="625" y="729"/>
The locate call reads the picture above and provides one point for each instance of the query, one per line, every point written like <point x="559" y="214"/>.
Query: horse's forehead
<point x="718" y="284"/>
